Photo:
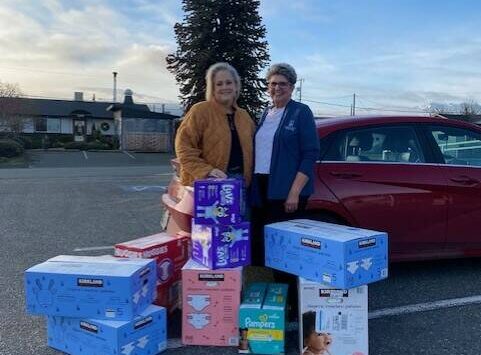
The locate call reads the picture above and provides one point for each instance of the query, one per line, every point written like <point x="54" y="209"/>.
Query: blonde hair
<point x="210" y="75"/>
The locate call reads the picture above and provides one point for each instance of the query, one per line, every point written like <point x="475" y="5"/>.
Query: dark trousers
<point x="271" y="211"/>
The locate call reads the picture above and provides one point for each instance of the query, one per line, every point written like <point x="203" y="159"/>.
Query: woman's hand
<point x="292" y="203"/>
<point x="216" y="173"/>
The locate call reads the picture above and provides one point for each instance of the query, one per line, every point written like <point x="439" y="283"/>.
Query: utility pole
<point x="299" y="89"/>
<point x="115" y="87"/>
<point x="353" y="104"/>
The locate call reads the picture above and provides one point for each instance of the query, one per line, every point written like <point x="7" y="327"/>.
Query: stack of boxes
<point x="98" y="305"/>
<point x="334" y="264"/>
<point x="103" y="305"/>
<point x="212" y="279"/>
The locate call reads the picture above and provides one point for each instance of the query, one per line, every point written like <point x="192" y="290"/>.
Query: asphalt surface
<point x="56" y="207"/>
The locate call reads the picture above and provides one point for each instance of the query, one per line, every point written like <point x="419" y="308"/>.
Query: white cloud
<point x="54" y="48"/>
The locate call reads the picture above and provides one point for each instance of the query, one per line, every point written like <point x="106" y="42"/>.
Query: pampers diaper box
<point x="332" y="321"/>
<point x="146" y="334"/>
<point x="221" y="246"/>
<point x="339" y="256"/>
<point x="210" y="305"/>
<point x="262" y="317"/>
<point x="170" y="254"/>
<point x="92" y="287"/>
<point x="218" y="201"/>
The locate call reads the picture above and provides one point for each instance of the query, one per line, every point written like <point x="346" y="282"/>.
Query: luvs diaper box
<point x="218" y="201"/>
<point x="210" y="305"/>
<point x="170" y="254"/>
<point x="146" y="334"/>
<point x="339" y="256"/>
<point x="221" y="246"/>
<point x="262" y="317"/>
<point x="332" y="321"/>
<point x="92" y="287"/>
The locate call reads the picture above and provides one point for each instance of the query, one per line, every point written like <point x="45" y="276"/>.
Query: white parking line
<point x="94" y="248"/>
<point x="422" y="307"/>
<point x="85" y="154"/>
<point x="130" y="155"/>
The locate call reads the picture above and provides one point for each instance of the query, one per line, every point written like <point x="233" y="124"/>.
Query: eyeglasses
<point x="282" y="84"/>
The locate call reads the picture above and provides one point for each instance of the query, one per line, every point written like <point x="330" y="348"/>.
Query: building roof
<point x="55" y="108"/>
<point x="66" y="108"/>
<point x="136" y="111"/>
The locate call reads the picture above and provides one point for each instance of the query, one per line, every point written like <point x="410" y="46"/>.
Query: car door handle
<point x="465" y="180"/>
<point x="343" y="175"/>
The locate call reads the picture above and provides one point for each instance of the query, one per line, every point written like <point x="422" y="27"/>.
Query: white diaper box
<point x="332" y="321"/>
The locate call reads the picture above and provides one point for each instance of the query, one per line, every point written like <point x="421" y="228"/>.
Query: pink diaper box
<point x="210" y="305"/>
<point x="170" y="253"/>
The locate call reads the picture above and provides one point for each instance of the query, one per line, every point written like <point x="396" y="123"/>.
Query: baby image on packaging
<point x="314" y="343"/>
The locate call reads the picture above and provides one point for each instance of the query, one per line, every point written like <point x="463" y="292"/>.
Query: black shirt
<point x="236" y="161"/>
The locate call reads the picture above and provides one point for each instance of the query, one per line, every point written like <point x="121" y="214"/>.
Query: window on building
<point x="40" y="124"/>
<point x="53" y="125"/>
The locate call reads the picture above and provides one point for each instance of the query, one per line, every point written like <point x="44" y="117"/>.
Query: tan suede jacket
<point x="203" y="141"/>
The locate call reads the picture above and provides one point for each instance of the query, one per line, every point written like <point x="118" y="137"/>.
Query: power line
<point x="404" y="110"/>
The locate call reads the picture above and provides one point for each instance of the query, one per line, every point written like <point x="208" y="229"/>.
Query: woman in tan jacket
<point x="215" y="138"/>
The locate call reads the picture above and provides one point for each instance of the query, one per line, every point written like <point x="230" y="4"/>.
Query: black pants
<point x="271" y="211"/>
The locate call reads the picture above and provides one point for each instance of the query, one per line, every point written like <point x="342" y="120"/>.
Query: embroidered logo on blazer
<point x="290" y="126"/>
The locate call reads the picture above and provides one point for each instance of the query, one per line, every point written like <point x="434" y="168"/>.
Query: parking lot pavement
<point x="55" y="159"/>
<point x="85" y="210"/>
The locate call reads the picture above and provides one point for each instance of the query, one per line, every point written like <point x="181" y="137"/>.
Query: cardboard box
<point x="262" y="317"/>
<point x="218" y="201"/>
<point x="340" y="256"/>
<point x="170" y="254"/>
<point x="333" y="321"/>
<point x="221" y="246"/>
<point x="90" y="287"/>
<point x="210" y="305"/>
<point x="146" y="334"/>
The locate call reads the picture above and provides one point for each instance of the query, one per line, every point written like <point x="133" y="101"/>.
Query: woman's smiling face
<point x="280" y="90"/>
<point x="225" y="88"/>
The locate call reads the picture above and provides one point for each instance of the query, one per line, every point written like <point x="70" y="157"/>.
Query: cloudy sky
<point x="395" y="55"/>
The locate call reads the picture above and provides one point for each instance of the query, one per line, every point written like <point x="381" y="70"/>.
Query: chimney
<point x="78" y="96"/>
<point x="128" y="97"/>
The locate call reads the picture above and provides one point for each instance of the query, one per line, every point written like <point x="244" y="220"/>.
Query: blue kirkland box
<point x="91" y="287"/>
<point x="338" y="256"/>
<point x="146" y="334"/>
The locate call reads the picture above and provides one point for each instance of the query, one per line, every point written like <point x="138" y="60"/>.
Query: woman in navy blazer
<point x="286" y="149"/>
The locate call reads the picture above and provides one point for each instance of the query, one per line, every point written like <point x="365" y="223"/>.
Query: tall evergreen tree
<point x="220" y="31"/>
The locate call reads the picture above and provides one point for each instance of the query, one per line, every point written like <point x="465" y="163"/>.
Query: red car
<point x="417" y="178"/>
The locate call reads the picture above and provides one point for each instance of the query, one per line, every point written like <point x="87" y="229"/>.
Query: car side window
<point x="457" y="145"/>
<point x="378" y="144"/>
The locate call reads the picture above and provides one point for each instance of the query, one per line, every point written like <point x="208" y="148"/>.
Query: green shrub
<point x="87" y="146"/>
<point x="26" y="142"/>
<point x="64" y="138"/>
<point x="10" y="148"/>
<point x="76" y="145"/>
<point x="98" y="146"/>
